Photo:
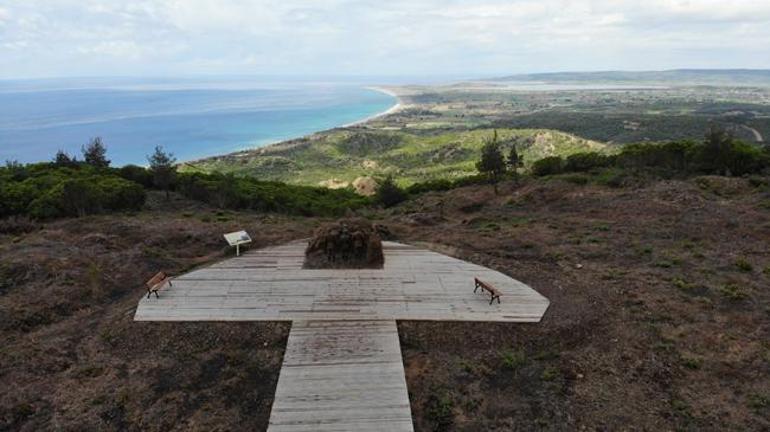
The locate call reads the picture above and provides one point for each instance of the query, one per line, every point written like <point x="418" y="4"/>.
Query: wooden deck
<point x="270" y="284"/>
<point x="342" y="376"/>
<point x="342" y="370"/>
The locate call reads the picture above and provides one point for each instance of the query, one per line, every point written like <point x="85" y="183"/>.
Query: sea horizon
<point x="193" y="119"/>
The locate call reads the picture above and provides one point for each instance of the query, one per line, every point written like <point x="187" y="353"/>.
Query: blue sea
<point x="191" y="119"/>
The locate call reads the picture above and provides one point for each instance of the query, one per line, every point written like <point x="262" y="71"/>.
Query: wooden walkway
<point x="342" y="370"/>
<point x="270" y="285"/>
<point x="342" y="376"/>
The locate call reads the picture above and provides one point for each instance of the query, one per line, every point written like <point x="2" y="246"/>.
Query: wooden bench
<point x="489" y="288"/>
<point x="156" y="283"/>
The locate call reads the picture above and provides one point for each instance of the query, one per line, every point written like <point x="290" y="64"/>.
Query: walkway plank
<point x="342" y="370"/>
<point x="270" y="284"/>
<point x="342" y="376"/>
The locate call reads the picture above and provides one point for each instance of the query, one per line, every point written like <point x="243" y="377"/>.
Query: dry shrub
<point x="347" y="243"/>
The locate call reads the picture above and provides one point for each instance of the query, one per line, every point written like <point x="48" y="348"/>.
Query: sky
<point x="62" y="38"/>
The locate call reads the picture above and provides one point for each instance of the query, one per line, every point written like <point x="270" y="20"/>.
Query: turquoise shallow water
<point x="190" y="121"/>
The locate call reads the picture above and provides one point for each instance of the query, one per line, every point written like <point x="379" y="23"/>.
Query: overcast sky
<point x="50" y="38"/>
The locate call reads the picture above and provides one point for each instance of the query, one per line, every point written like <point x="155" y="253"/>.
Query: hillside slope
<point x="342" y="155"/>
<point x="658" y="317"/>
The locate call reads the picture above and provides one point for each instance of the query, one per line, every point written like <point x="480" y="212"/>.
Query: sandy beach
<point x="398" y="106"/>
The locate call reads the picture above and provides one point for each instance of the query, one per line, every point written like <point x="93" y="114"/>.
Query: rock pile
<point x="348" y="243"/>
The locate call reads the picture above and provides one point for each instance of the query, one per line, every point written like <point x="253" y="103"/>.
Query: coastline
<point x="399" y="105"/>
<point x="395" y="108"/>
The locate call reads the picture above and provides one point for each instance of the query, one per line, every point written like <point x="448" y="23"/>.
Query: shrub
<point x="674" y="156"/>
<point x="430" y="185"/>
<point x="83" y="196"/>
<point x="136" y="174"/>
<point x="17" y="225"/>
<point x="586" y="161"/>
<point x="227" y="191"/>
<point x="548" y="166"/>
<point x="389" y="194"/>
<point x="733" y="292"/>
<point x="470" y="180"/>
<point x="119" y="194"/>
<point x="439" y="411"/>
<point x="743" y="265"/>
<point x="513" y="359"/>
<point x="578" y="179"/>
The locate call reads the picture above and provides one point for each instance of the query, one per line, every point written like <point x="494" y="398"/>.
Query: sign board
<point x="237" y="239"/>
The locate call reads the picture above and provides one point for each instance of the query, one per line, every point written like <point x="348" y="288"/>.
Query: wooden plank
<point x="342" y="376"/>
<point x="270" y="284"/>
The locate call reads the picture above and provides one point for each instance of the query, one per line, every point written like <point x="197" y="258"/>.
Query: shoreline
<point x="395" y="108"/>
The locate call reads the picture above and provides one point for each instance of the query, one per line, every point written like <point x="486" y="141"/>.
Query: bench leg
<point x="498" y="299"/>
<point x="149" y="293"/>
<point x="156" y="294"/>
<point x="491" y="300"/>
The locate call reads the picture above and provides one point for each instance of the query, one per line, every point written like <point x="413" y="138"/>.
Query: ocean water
<point x="190" y="119"/>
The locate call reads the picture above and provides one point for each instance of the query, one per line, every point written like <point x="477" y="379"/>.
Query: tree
<point x="388" y="193"/>
<point x="63" y="159"/>
<point x="492" y="163"/>
<point x="163" y="169"/>
<point x="717" y="148"/>
<point x="515" y="161"/>
<point x="95" y="153"/>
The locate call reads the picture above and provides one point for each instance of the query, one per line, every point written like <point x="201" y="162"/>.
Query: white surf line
<point x="398" y="106"/>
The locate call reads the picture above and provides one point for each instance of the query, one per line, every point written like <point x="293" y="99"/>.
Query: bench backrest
<point x="158" y="278"/>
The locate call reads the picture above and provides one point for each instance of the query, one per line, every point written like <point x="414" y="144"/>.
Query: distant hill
<point x="336" y="158"/>
<point x="754" y="77"/>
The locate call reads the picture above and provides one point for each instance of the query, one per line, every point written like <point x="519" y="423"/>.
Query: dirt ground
<point x="659" y="316"/>
<point x="72" y="357"/>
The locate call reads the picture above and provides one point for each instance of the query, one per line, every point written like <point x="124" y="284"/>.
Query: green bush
<point x="587" y="161"/>
<point x="227" y="191"/>
<point x="49" y="191"/>
<point x="389" y="194"/>
<point x="136" y="174"/>
<point x="675" y="156"/>
<point x="548" y="166"/>
<point x="430" y="185"/>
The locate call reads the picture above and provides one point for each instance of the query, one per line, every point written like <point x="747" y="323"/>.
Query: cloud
<point x="75" y="37"/>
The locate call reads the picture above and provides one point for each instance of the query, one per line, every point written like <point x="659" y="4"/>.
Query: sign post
<point x="237" y="239"/>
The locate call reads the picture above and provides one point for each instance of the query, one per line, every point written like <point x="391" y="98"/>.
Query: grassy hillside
<point x="347" y="154"/>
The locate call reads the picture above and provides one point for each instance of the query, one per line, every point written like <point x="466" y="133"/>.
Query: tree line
<point x="69" y="187"/>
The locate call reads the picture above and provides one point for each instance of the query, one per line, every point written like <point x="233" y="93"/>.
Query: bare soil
<point x="73" y="359"/>
<point x="659" y="316"/>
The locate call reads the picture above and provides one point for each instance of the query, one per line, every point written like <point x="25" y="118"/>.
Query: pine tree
<point x="163" y="169"/>
<point x="388" y="193"/>
<point x="492" y="162"/>
<point x="63" y="159"/>
<point x="515" y="161"/>
<point x="717" y="150"/>
<point x="95" y="153"/>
